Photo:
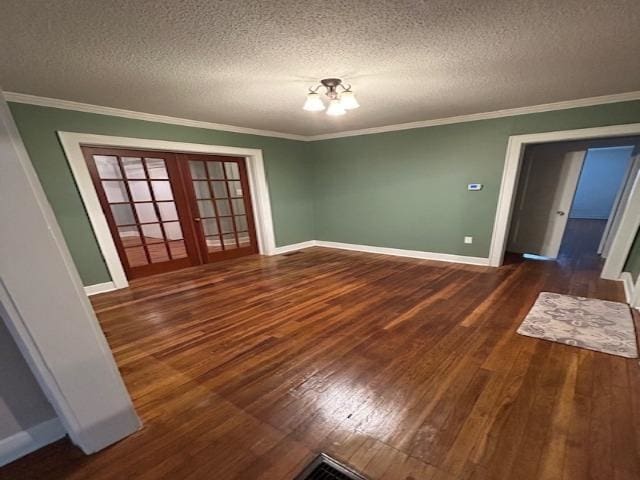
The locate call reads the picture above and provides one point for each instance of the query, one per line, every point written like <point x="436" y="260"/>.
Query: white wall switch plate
<point x="468" y="239"/>
<point x="474" y="187"/>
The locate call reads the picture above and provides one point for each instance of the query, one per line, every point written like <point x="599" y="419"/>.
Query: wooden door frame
<point x="510" y="175"/>
<point x="71" y="143"/>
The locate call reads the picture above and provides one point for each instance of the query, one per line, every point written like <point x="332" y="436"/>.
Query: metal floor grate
<point x="324" y="467"/>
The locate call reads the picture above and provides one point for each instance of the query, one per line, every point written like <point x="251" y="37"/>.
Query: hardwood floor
<point x="157" y="248"/>
<point x="401" y="368"/>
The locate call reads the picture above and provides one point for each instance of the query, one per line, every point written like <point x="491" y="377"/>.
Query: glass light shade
<point x="348" y="100"/>
<point x="335" y="108"/>
<point x="313" y="103"/>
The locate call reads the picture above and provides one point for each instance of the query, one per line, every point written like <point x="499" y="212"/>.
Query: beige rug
<point x="582" y="322"/>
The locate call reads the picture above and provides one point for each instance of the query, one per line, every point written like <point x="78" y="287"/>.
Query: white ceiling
<point x="249" y="63"/>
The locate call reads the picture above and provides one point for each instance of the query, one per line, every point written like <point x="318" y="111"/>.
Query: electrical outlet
<point x="468" y="239"/>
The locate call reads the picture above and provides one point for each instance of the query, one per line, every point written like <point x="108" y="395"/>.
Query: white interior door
<point x="619" y="206"/>
<point x="546" y="189"/>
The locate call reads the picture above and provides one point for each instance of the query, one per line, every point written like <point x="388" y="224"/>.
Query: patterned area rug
<point x="582" y="322"/>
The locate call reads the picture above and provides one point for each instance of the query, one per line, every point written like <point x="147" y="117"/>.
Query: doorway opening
<point x="167" y="210"/>
<point x="570" y="198"/>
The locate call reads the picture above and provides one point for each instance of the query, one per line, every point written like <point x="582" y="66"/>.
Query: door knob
<point x="197" y="219"/>
<point x="560" y="212"/>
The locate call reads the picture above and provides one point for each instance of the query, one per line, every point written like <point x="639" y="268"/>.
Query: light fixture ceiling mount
<point x="339" y="100"/>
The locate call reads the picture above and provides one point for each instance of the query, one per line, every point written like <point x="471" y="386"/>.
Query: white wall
<point x="47" y="311"/>
<point x="22" y="403"/>
<point x="602" y="175"/>
<point x="23" y="406"/>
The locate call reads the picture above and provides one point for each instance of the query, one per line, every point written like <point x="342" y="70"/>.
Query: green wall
<point x="403" y="189"/>
<point x="633" y="260"/>
<point x="407" y="189"/>
<point x="287" y="165"/>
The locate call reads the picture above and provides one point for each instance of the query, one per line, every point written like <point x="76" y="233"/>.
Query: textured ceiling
<point x="249" y="63"/>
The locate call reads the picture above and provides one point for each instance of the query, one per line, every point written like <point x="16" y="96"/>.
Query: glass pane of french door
<point x="138" y="197"/>
<point x="222" y="203"/>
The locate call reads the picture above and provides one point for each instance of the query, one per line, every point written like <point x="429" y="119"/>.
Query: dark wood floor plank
<point x="402" y="368"/>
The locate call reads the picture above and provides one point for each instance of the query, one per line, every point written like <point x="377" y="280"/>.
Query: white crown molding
<point x="510" y="112"/>
<point x="149" y="117"/>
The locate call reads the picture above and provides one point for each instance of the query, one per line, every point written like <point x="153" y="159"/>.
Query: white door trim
<point x="71" y="143"/>
<point x="47" y="311"/>
<point x="623" y="240"/>
<point x="513" y="161"/>
<point x="635" y="297"/>
<point x="615" y="209"/>
<point x="150" y="117"/>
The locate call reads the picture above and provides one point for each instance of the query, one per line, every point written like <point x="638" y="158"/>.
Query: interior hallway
<point x="399" y="367"/>
<point x="580" y="243"/>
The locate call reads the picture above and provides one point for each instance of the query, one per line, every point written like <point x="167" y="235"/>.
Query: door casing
<point x="511" y="171"/>
<point x="261" y="204"/>
<point x="185" y="201"/>
<point x="547" y="187"/>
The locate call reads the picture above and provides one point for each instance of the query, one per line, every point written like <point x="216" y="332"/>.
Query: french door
<point x="168" y="211"/>
<point x="218" y="188"/>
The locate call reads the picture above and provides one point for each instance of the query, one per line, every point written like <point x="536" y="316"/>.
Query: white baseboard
<point x="99" y="288"/>
<point x="441" y="257"/>
<point x="627" y="281"/>
<point x="631" y="290"/>
<point x="625" y="277"/>
<point x="293" y="247"/>
<point x="27" y="441"/>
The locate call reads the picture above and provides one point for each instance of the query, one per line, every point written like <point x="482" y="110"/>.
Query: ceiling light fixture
<point x="339" y="101"/>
